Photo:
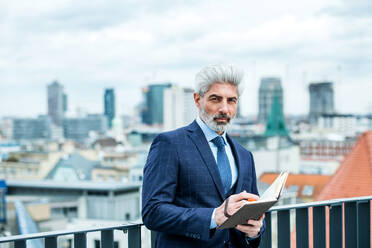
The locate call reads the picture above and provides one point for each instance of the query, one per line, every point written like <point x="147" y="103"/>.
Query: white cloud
<point x="88" y="46"/>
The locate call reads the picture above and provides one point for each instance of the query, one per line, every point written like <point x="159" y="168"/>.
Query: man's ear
<point x="197" y="99"/>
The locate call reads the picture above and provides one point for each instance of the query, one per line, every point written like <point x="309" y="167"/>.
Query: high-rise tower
<point x="57" y="102"/>
<point x="109" y="105"/>
<point x="153" y="110"/>
<point x="321" y="100"/>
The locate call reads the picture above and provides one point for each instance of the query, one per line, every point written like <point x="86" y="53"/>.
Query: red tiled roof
<point x="354" y="175"/>
<point x="300" y="180"/>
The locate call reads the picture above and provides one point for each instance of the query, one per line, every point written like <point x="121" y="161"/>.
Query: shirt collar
<point x="208" y="132"/>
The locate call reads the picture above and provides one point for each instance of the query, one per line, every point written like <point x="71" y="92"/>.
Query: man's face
<point x="218" y="106"/>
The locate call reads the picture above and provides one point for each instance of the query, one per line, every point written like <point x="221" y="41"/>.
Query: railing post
<point x="284" y="233"/>
<point x="134" y="237"/>
<point x="80" y="240"/>
<point x="319" y="227"/>
<point x="350" y="224"/>
<point x="107" y="239"/>
<point x="153" y="239"/>
<point x="335" y="225"/>
<point x="267" y="239"/>
<point x="363" y="224"/>
<point x="302" y="227"/>
<point x="20" y="244"/>
<point x="51" y="242"/>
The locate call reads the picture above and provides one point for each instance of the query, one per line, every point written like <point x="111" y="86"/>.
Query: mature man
<point x="191" y="171"/>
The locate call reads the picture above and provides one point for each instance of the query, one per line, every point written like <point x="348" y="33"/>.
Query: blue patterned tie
<point x="223" y="163"/>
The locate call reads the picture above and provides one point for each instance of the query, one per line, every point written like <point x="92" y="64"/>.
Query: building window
<point x="308" y="190"/>
<point x="293" y="189"/>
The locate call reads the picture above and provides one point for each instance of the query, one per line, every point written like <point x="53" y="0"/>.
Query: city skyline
<point x="128" y="45"/>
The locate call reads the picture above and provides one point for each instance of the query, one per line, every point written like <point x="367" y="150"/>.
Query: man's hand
<point x="252" y="229"/>
<point x="235" y="202"/>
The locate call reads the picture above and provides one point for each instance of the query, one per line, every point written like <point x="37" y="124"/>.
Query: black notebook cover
<point x="250" y="211"/>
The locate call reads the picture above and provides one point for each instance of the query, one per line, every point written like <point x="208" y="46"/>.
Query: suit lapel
<point x="238" y="164"/>
<point x="201" y="143"/>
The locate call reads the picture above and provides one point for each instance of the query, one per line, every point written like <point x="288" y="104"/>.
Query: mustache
<point x="225" y="116"/>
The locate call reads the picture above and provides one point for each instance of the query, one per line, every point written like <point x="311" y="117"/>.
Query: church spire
<point x="276" y="123"/>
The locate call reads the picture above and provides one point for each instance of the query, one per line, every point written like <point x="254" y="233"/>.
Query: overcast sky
<point x="91" y="45"/>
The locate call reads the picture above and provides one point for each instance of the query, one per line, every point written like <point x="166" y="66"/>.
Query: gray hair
<point x="218" y="74"/>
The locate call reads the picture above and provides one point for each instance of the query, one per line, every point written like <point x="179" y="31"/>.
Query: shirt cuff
<point x="247" y="239"/>
<point x="213" y="221"/>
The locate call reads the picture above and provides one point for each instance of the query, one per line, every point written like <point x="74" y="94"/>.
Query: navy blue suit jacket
<point x="182" y="186"/>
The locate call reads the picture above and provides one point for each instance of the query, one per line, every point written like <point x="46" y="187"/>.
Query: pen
<point x="250" y="199"/>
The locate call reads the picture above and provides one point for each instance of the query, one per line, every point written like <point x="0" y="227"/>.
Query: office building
<point x="345" y="124"/>
<point x="57" y="103"/>
<point x="269" y="87"/>
<point x="321" y="100"/>
<point x="6" y="128"/>
<point x="142" y="107"/>
<point x="272" y="153"/>
<point x="179" y="107"/>
<point x="152" y="112"/>
<point x="32" y="128"/>
<point x="65" y="103"/>
<point x="80" y="128"/>
<point x="77" y="199"/>
<point x="109" y="106"/>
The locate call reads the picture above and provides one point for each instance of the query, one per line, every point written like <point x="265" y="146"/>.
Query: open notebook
<point x="254" y="210"/>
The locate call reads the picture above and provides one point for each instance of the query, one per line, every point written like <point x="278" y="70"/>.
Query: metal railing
<point x="80" y="239"/>
<point x="319" y="223"/>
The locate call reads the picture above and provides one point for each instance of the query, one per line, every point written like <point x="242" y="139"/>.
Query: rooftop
<point x="354" y="175"/>
<point x="80" y="165"/>
<point x="303" y="181"/>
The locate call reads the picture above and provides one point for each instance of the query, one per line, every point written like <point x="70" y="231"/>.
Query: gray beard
<point x="209" y="120"/>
